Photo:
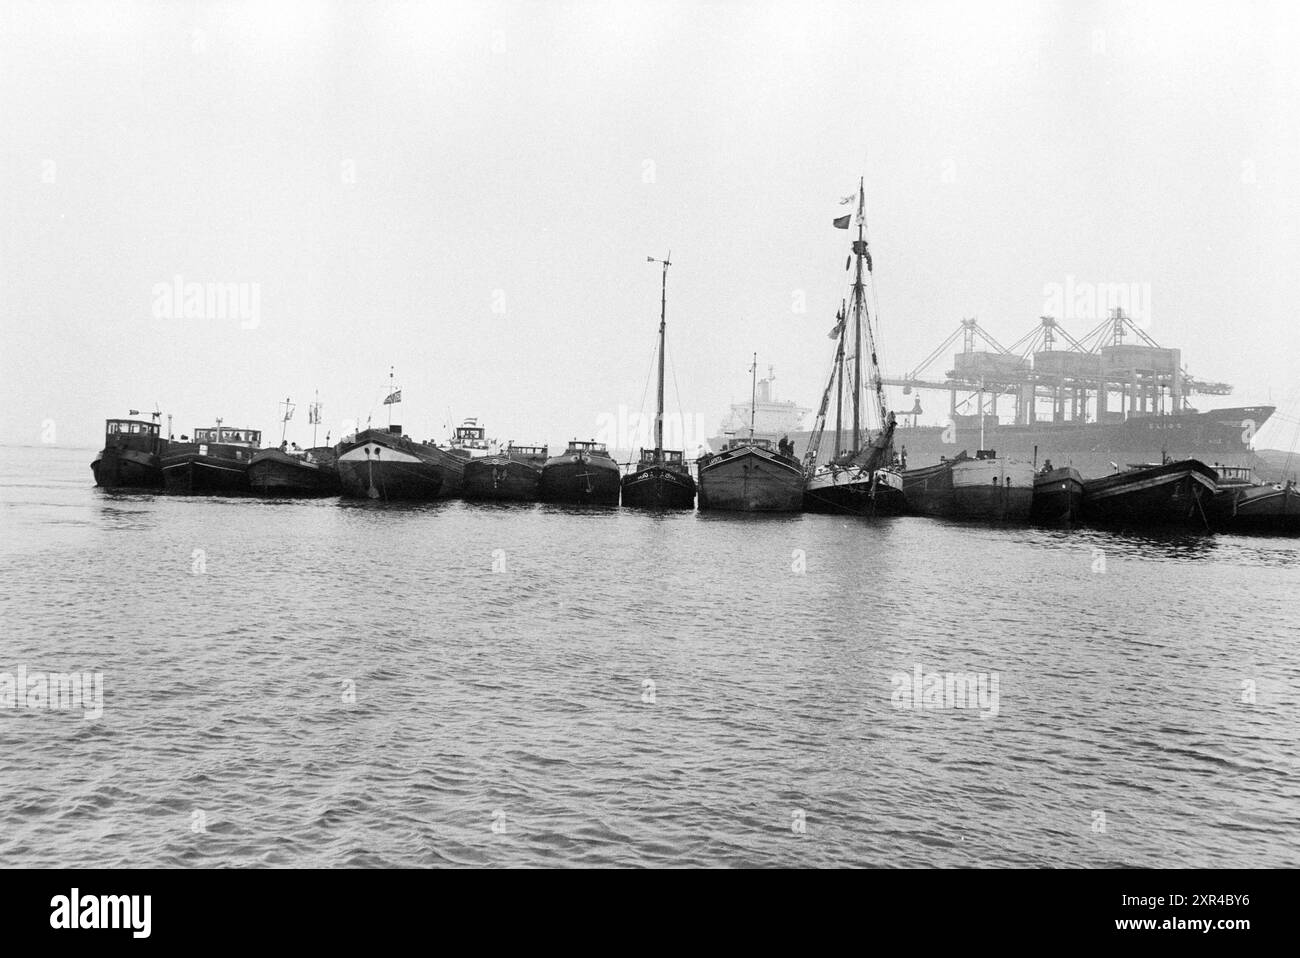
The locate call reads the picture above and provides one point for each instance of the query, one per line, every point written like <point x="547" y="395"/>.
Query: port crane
<point x="1078" y="376"/>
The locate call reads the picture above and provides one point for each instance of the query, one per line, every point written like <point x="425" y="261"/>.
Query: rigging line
<point x="681" y="411"/>
<point x="649" y="373"/>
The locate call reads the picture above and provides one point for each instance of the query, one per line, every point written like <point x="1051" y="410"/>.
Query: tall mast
<point x="315" y="417"/>
<point x="663" y="313"/>
<point x="390" y="396"/>
<point x="858" y="301"/>
<point x="839" y="388"/>
<point x="753" y="394"/>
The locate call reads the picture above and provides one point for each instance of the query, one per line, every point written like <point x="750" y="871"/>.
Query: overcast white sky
<point x="469" y="193"/>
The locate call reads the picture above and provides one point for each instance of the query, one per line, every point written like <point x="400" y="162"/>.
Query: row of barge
<point x="860" y="473"/>
<point x="747" y="475"/>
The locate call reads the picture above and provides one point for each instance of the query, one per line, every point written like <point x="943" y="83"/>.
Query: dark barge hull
<point x="496" y="478"/>
<point x="274" y="473"/>
<point x="1257" y="509"/>
<point x="1175" y="493"/>
<point x="657" y="487"/>
<point x="929" y="490"/>
<point x="580" y="481"/>
<point x="127" y="469"/>
<point x="751" y="479"/>
<point x="1058" y="496"/>
<point x="193" y="473"/>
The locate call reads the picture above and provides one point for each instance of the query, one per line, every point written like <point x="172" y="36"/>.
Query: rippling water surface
<point x="352" y="684"/>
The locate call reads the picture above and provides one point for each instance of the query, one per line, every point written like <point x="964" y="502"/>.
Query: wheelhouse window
<point x="575" y="446"/>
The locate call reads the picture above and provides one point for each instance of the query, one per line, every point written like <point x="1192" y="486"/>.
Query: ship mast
<point x="839" y="386"/>
<point x="663" y="314"/>
<point x="284" y="421"/>
<point x="753" y="394"/>
<point x="859" y="248"/>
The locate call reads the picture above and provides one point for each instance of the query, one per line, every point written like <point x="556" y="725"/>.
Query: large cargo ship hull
<point x="1221" y="435"/>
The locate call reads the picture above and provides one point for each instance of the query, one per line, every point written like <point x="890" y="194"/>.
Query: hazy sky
<point x="469" y="193"/>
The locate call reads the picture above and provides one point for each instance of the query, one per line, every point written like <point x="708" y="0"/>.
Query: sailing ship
<point x="584" y="474"/>
<point x="130" y="458"/>
<point x="387" y="464"/>
<point x="215" y="461"/>
<point x="749" y="475"/>
<point x="1168" y="492"/>
<point x="289" y="471"/>
<point x="1243" y="504"/>
<point x="661" y="479"/>
<point x="512" y="476"/>
<point x="860" y="476"/>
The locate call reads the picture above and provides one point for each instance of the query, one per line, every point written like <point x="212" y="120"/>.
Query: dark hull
<point x="274" y="473"/>
<point x="750" y="480"/>
<point x="584" y="482"/>
<point x="379" y="465"/>
<point x="848" y="498"/>
<point x="656" y="487"/>
<point x="929" y="491"/>
<point x="1058" y="496"/>
<point x="992" y="502"/>
<point x="127" y="469"/>
<point x="1177" y="493"/>
<point x="495" y="478"/>
<point x="205" y="475"/>
<point x="1257" y="509"/>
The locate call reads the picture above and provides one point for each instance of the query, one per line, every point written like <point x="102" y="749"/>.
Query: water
<point x="505" y="717"/>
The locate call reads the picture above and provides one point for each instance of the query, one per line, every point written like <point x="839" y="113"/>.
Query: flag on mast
<point x="393" y="397"/>
<point x="842" y="222"/>
<point x="313" y="413"/>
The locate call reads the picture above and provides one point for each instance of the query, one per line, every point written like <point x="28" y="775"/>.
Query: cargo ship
<point x="1110" y="398"/>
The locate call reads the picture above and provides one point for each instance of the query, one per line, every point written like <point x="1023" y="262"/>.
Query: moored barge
<point x="131" y="457"/>
<point x="512" y="476"/>
<point x="1167" y="493"/>
<point x="584" y="474"/>
<point x="215" y="462"/>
